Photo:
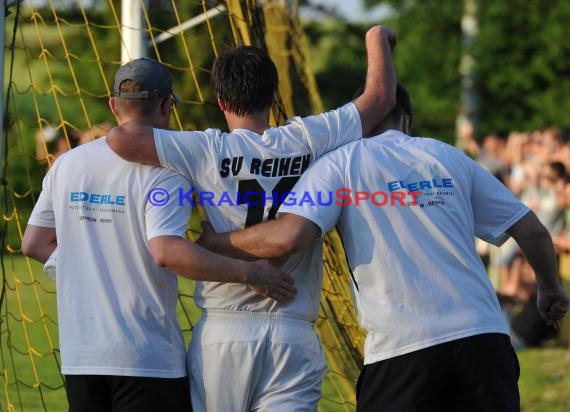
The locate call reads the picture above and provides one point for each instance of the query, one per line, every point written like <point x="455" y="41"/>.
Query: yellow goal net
<point x="59" y="60"/>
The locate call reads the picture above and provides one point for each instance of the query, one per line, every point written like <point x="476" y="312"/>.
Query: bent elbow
<point x="541" y="234"/>
<point x="112" y="137"/>
<point x="27" y="248"/>
<point x="119" y="142"/>
<point x="29" y="245"/>
<point x="286" y="246"/>
<point x="294" y="242"/>
<point x="296" y="233"/>
<point x="159" y="254"/>
<point x="529" y="229"/>
<point x="115" y="141"/>
<point x="160" y="258"/>
<point x="385" y="102"/>
<point x="389" y="102"/>
<point x="160" y="261"/>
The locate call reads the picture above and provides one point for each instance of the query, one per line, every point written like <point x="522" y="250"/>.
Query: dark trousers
<point x="103" y="393"/>
<point x="478" y="374"/>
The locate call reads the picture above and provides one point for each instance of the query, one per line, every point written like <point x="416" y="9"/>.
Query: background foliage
<point x="522" y="56"/>
<point x="39" y="32"/>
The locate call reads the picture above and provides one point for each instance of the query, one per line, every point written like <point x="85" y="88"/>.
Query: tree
<point x="522" y="69"/>
<point x="426" y="59"/>
<point x="338" y="57"/>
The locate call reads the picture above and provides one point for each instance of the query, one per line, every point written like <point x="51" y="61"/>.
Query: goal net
<point x="59" y="60"/>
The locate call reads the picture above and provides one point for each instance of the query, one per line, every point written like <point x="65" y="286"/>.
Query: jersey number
<point x="252" y="194"/>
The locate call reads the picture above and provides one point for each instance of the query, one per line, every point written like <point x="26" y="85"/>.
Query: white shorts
<point x="254" y="361"/>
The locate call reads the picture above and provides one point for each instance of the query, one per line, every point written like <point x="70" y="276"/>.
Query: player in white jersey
<point x="408" y="210"/>
<point x="120" y="342"/>
<point x="265" y="355"/>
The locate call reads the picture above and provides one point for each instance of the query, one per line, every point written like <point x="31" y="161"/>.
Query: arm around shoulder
<point x="191" y="260"/>
<point x="272" y="239"/>
<point x="134" y="142"/>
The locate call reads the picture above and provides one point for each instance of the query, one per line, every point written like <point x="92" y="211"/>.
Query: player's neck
<point x="152" y="121"/>
<point x="257" y="122"/>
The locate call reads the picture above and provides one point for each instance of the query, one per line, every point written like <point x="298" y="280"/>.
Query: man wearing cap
<point x="121" y="346"/>
<point x="268" y="354"/>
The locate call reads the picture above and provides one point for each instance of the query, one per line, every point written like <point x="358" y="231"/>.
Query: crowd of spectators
<point x="535" y="165"/>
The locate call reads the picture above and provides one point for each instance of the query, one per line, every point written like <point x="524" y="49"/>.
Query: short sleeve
<point x="181" y="152"/>
<point x="495" y="208"/>
<point x="328" y="131"/>
<point x="43" y="214"/>
<point x="314" y="196"/>
<point x="170" y="219"/>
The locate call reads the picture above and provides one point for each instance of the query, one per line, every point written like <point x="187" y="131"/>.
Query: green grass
<point x="31" y="380"/>
<point x="29" y="359"/>
<point x="28" y="325"/>
<point x="545" y="379"/>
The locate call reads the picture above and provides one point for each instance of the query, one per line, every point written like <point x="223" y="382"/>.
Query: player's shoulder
<point x="454" y="154"/>
<point x="396" y="141"/>
<point x="86" y="153"/>
<point x="339" y="114"/>
<point x="273" y="142"/>
<point x="210" y="133"/>
<point x="144" y="178"/>
<point x="440" y="144"/>
<point x="215" y="138"/>
<point x="187" y="137"/>
<point x="445" y="154"/>
<point x="433" y="144"/>
<point x="161" y="174"/>
<point x="342" y="154"/>
<point x="172" y="181"/>
<point x="348" y="148"/>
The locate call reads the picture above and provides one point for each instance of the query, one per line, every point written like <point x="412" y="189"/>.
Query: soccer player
<point x="121" y="345"/>
<point x="437" y="340"/>
<point x="265" y="355"/>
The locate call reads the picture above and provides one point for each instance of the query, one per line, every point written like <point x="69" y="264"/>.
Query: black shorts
<point x="479" y="373"/>
<point x="103" y="393"/>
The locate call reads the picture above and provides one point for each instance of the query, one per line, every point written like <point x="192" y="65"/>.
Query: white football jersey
<point x="417" y="278"/>
<point x="116" y="307"/>
<point x="242" y="177"/>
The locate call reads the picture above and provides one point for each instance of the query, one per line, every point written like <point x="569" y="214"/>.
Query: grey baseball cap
<point x="153" y="77"/>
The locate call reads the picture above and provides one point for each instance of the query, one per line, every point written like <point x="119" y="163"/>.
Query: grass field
<point x="28" y="349"/>
<point x="29" y="362"/>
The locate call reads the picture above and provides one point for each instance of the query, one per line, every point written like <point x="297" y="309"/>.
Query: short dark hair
<point x="246" y="80"/>
<point x="144" y="107"/>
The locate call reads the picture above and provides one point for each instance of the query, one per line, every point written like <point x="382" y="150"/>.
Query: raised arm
<point x="134" y="142"/>
<point x="190" y="260"/>
<point x="536" y="244"/>
<point x="271" y="239"/>
<point x="379" y="96"/>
